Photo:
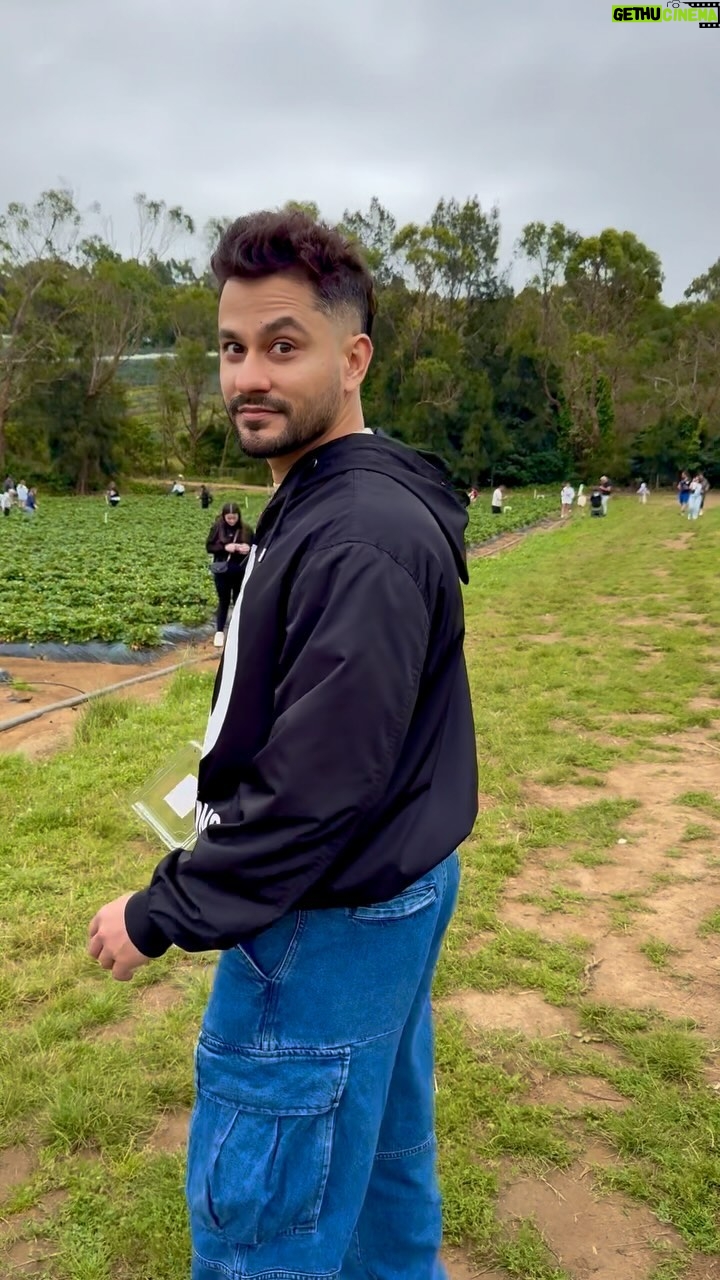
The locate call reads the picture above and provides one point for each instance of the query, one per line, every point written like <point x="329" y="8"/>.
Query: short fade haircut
<point x="266" y="243"/>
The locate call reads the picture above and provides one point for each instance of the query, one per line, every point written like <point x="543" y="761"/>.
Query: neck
<point x="349" y="423"/>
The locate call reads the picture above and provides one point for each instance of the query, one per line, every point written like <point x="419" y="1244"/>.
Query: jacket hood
<point x="365" y="451"/>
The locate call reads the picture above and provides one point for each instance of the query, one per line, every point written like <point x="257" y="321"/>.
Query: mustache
<point x="239" y="403"/>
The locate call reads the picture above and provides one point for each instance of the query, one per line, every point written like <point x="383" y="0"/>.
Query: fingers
<point x="95" y="946"/>
<point x="121" y="973"/>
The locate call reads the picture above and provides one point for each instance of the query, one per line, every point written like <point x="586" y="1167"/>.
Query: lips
<point x="255" y="414"/>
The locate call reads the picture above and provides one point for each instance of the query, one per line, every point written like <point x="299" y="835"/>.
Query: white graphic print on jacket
<point x="230" y="657"/>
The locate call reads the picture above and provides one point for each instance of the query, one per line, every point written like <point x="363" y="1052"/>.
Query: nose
<point x="252" y="375"/>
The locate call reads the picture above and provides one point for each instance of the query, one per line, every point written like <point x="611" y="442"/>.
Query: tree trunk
<point x="228" y="436"/>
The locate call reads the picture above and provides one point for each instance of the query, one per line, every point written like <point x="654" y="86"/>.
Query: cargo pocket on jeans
<point x="261" y="1139"/>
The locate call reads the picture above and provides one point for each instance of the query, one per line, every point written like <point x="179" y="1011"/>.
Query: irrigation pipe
<point x="99" y="693"/>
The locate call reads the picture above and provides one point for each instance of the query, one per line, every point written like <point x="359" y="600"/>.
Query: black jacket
<point x="339" y="761"/>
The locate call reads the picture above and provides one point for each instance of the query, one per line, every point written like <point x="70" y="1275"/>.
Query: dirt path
<point x="50" y="682"/>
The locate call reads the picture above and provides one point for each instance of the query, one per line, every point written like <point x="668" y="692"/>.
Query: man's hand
<point x="110" y="944"/>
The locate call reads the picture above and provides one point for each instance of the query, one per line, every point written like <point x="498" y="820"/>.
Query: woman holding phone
<point x="229" y="543"/>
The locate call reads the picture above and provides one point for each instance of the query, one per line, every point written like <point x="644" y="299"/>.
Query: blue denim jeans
<point x="312" y="1146"/>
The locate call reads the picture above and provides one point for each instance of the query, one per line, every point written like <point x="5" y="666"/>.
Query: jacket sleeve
<point x="347" y="684"/>
<point x="214" y="541"/>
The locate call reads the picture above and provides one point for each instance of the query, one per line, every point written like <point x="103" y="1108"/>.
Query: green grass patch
<point x="703" y="800"/>
<point x="658" y="952"/>
<point x="711" y="925"/>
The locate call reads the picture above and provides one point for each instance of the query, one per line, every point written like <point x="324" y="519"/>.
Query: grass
<point x="658" y="952"/>
<point x="89" y="1068"/>
<point x="711" y="925"/>
<point x="703" y="800"/>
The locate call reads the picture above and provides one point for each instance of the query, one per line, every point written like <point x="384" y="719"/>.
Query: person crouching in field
<point x="567" y="497"/>
<point x="229" y="543"/>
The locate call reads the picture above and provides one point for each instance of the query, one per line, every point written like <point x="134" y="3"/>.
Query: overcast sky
<point x="547" y="108"/>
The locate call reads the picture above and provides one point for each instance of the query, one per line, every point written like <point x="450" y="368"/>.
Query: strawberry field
<point x="79" y="572"/>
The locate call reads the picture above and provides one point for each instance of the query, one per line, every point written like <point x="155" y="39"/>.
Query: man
<point x="605" y="491"/>
<point x="338" y="777"/>
<point x="684" y="491"/>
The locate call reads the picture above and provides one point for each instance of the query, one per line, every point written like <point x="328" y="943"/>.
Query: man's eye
<point x="282" y="347"/>
<point x="231" y="348"/>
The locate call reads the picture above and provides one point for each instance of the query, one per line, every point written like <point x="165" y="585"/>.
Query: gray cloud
<point x="550" y="109"/>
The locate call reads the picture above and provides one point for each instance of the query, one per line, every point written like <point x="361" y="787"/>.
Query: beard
<point x="305" y="423"/>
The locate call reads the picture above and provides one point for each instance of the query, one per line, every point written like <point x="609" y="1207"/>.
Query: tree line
<point x="583" y="369"/>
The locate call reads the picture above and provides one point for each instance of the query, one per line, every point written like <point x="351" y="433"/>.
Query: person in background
<point x="581" y="498"/>
<point x="567" y="497"/>
<point x="22" y="493"/>
<point x="684" y="491"/>
<point x="30" y="506"/>
<point x="705" y="486"/>
<point x="6" y="501"/>
<point x="694" y="502"/>
<point x="178" y="489"/>
<point x="205" y="497"/>
<point x="497" y="501"/>
<point x="229" y="543"/>
<point x="9" y="484"/>
<point x="605" y="491"/>
<point x="112" y="497"/>
<point x="596" y="503"/>
<point x="643" y="493"/>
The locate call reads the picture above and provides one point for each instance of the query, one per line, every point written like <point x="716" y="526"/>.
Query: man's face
<point x="286" y="368"/>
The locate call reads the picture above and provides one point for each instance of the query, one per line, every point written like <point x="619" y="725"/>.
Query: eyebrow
<point x="272" y="327"/>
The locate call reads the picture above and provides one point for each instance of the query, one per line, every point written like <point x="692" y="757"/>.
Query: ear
<point x="358" y="352"/>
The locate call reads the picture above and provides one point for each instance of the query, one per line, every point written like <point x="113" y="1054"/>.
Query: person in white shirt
<point x="567" y="497"/>
<point x="643" y="493"/>
<point x="582" y="498"/>
<point x="497" y="501"/>
<point x="22" y="493"/>
<point x="6" y="501"/>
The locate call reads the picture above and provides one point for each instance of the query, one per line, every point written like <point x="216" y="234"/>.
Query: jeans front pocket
<point x="261" y="1139"/>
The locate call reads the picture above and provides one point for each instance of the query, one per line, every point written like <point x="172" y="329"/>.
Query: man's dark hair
<point x="264" y="244"/>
